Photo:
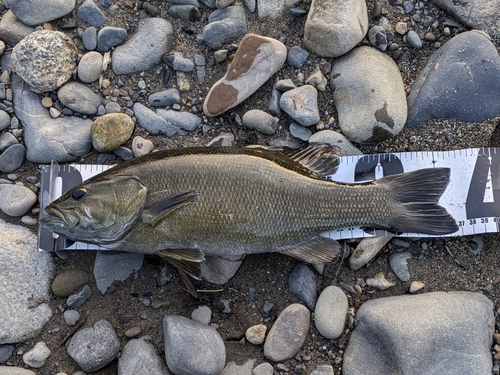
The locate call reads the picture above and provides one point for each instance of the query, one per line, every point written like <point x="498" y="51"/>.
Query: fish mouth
<point x="59" y="218"/>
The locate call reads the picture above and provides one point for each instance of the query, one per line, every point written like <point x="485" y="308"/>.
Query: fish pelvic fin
<point x="188" y="260"/>
<point x="157" y="211"/>
<point x="418" y="194"/>
<point x="318" y="250"/>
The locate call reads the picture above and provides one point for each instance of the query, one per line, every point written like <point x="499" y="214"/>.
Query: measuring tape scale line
<point x="472" y="196"/>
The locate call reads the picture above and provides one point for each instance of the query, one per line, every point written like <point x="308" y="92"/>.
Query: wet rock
<point x="79" y="98"/>
<point x="369" y="95"/>
<point x="35" y="13"/>
<point x="301" y="104"/>
<point x="110" y="266"/>
<point x="398" y="263"/>
<point x="141" y="146"/>
<point x="164" y="98"/>
<point x="68" y="282"/>
<point x="337" y="140"/>
<point x="23" y="298"/>
<point x="261" y="121"/>
<point x="330" y="313"/>
<point x="145" y="48"/>
<point x="436" y="333"/>
<point x="334" y="27"/>
<point x="16" y="200"/>
<point x="89" y="12"/>
<point x="110" y="131"/>
<point x="256" y="334"/>
<point x="225" y="25"/>
<point x="109" y="37"/>
<point x="141" y="356"/>
<point x="255" y="61"/>
<point x="444" y="87"/>
<point x="302" y="284"/>
<point x="477" y="14"/>
<point x="54" y="55"/>
<point x="192" y="348"/>
<point x="37" y="356"/>
<point x="94" y="347"/>
<point x="89" y="67"/>
<point x="288" y="333"/>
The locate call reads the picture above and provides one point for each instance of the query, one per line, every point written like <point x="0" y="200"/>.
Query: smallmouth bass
<point x="186" y="203"/>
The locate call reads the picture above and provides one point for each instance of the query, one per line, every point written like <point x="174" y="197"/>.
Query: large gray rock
<point x="427" y="334"/>
<point x="461" y="80"/>
<point x="192" y="348"/>
<point x="45" y="59"/>
<point x="25" y="279"/>
<point x="369" y="95"/>
<point x="94" y="347"/>
<point x="62" y="139"/>
<point x="12" y="31"/>
<point x="140" y="356"/>
<point x="152" y="40"/>
<point x="477" y="14"/>
<point x="34" y="13"/>
<point x="255" y="61"/>
<point x="225" y="25"/>
<point x="334" y="27"/>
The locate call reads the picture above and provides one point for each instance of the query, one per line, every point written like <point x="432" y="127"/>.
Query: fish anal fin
<point x="319" y="158"/>
<point x="187" y="260"/>
<point x="315" y="251"/>
<point x="158" y="210"/>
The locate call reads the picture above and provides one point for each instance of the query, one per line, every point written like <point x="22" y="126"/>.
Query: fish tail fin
<point x="418" y="194"/>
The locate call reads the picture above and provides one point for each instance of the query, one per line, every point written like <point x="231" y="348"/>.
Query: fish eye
<point x="79" y="193"/>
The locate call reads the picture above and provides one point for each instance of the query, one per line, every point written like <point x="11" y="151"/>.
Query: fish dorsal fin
<point x="319" y="158"/>
<point x="156" y="211"/>
<point x="187" y="260"/>
<point x="315" y="251"/>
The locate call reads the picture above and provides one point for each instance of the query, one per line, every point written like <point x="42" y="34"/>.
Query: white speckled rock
<point x="255" y="61"/>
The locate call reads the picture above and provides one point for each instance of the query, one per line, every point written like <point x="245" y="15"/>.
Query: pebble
<point x="37" y="356"/>
<point x="12" y="158"/>
<point x="41" y="11"/>
<point x="317" y="79"/>
<point x="400" y="243"/>
<point x="4" y="120"/>
<point x="223" y="140"/>
<point x="366" y="250"/>
<point x="302" y="283"/>
<point x="224" y="26"/>
<point x="55" y="56"/>
<point x="68" y="282"/>
<point x="301" y="104"/>
<point x="379" y="282"/>
<point x="16" y="200"/>
<point x="202" y="314"/>
<point x="413" y="39"/>
<point x="331" y="312"/>
<point x="79" y="98"/>
<point x="71" y="317"/>
<point x="399" y="320"/>
<point x="141" y="356"/>
<point x="141" y="146"/>
<point x="288" y="333"/>
<point x="136" y="55"/>
<point x="89" y="38"/>
<point x="164" y="98"/>
<point x="90" y="13"/>
<point x="256" y="334"/>
<point x="76" y="300"/>
<point x="94" y="347"/>
<point x="300" y="132"/>
<point x="23" y="318"/>
<point x="416" y="286"/>
<point x="192" y="347"/>
<point x="109" y="37"/>
<point x="261" y="121"/>
<point x="263" y="369"/>
<point x="378" y="38"/>
<point x="152" y="122"/>
<point x="342" y="145"/>
<point x="285" y="85"/>
<point x="47" y="102"/>
<point x="255" y="61"/>
<point x="399" y="266"/>
<point x="221" y="55"/>
<point x="332" y="31"/>
<point x="369" y="95"/>
<point x="89" y="67"/>
<point x="12" y="31"/>
<point x="178" y="62"/>
<point x="111" y="266"/>
<point x="297" y="57"/>
<point x="29" y="220"/>
<point x="160" y="303"/>
<point x="133" y="331"/>
<point x="110" y="131"/>
<point x="323" y="370"/>
<point x="111" y="107"/>
<point x="180" y="120"/>
<point x="188" y="13"/>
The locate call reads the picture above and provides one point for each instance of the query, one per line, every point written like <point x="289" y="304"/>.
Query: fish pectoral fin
<point x="187" y="260"/>
<point x="319" y="158"/>
<point x="156" y="211"/>
<point x="315" y="251"/>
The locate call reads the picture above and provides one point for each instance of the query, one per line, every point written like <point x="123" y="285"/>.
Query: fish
<point x="185" y="204"/>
